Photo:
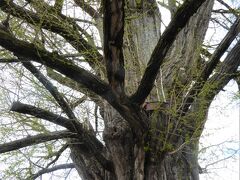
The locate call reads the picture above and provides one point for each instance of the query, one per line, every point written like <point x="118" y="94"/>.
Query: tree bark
<point x="148" y="159"/>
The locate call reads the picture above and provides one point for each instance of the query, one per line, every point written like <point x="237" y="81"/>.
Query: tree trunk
<point x="148" y="161"/>
<point x="160" y="155"/>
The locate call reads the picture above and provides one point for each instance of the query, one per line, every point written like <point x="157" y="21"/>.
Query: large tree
<point x="151" y="90"/>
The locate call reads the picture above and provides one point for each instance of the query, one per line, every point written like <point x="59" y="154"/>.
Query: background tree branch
<point x="210" y="66"/>
<point x="51" y="88"/>
<point x="54" y="23"/>
<point x="52" y="169"/>
<point x="36" y="139"/>
<point x="87" y="8"/>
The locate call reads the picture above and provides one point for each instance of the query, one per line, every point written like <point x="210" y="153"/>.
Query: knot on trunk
<point x="117" y="128"/>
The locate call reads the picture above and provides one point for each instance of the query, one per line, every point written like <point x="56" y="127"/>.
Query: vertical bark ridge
<point x="142" y="31"/>
<point x="113" y="30"/>
<point x="185" y="51"/>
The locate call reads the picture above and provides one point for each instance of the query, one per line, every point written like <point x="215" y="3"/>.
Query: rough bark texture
<point x="151" y="161"/>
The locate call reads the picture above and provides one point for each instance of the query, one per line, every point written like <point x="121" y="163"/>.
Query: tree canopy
<point x="108" y="85"/>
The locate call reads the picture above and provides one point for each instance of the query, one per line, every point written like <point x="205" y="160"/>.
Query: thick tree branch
<point x="237" y="79"/>
<point x="113" y="42"/>
<point x="224" y="73"/>
<point x="37" y="139"/>
<point x="129" y="111"/>
<point x="9" y="60"/>
<point x="57" y="23"/>
<point x="55" y="168"/>
<point x="211" y="65"/>
<point x="172" y="6"/>
<point x="222" y="47"/>
<point x="87" y="8"/>
<point x="70" y="124"/>
<point x="79" y="101"/>
<point x="51" y="88"/>
<point x="65" y="81"/>
<point x="55" y="61"/>
<point x="228" y="7"/>
<point x="178" y="22"/>
<point x="58" y="5"/>
<point x="57" y="155"/>
<point x="89" y="142"/>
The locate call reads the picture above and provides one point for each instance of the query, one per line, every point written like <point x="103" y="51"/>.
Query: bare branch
<point x="70" y="124"/>
<point x="57" y="62"/>
<point x="87" y="8"/>
<point x="9" y="60"/>
<point x="78" y="102"/>
<point x="57" y="23"/>
<point x="235" y="153"/>
<point x="228" y="7"/>
<point x="58" y="5"/>
<point x="211" y="65"/>
<point x="113" y="42"/>
<point x="224" y="73"/>
<point x="72" y="84"/>
<point x="90" y="143"/>
<point x="224" y="11"/>
<point x="178" y="22"/>
<point x="58" y="154"/>
<point x="55" y="168"/>
<point x="51" y="88"/>
<point x="37" y="139"/>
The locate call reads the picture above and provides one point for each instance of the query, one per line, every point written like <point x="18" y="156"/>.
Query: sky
<point x="222" y="130"/>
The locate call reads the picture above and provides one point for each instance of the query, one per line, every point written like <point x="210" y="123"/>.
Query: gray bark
<point x="139" y="161"/>
<point x="136" y="161"/>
